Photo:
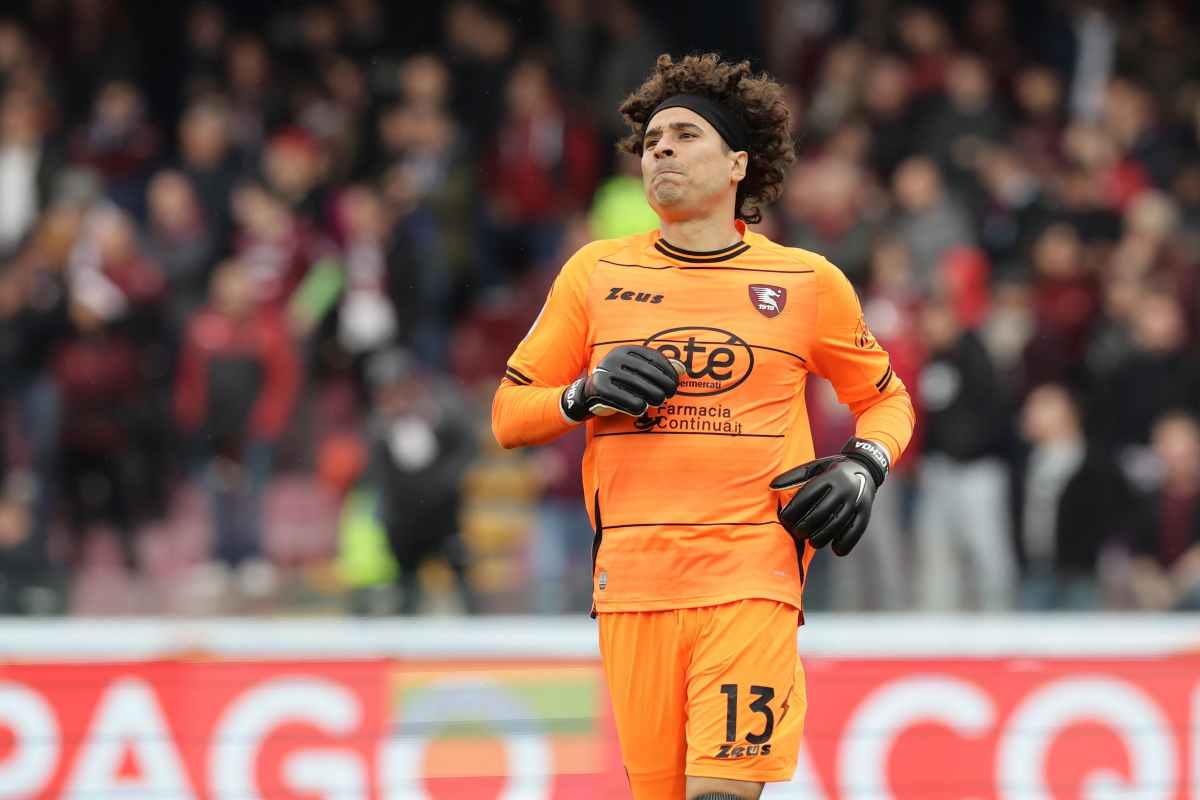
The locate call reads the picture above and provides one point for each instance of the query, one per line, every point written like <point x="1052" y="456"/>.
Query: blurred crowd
<point x="261" y="266"/>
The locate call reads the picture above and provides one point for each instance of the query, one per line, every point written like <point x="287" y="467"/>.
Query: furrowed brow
<point x="675" y="126"/>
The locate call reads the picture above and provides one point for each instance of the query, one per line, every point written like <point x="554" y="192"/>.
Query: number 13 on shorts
<point x="716" y="691"/>
<point x="756" y="743"/>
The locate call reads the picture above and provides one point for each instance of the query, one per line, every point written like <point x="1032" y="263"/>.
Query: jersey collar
<point x="703" y="256"/>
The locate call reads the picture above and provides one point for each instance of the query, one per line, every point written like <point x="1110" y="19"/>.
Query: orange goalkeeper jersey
<point x="679" y="498"/>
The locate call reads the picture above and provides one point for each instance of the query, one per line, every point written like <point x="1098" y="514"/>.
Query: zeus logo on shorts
<point x="738" y="751"/>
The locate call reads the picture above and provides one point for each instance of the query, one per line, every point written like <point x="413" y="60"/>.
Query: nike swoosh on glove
<point x="833" y="505"/>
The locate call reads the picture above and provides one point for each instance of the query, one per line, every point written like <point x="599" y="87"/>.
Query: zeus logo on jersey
<point x="620" y="293"/>
<point x="715" y="360"/>
<point x="739" y="751"/>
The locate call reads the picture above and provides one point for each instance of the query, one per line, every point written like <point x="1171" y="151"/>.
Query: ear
<point x="737" y="168"/>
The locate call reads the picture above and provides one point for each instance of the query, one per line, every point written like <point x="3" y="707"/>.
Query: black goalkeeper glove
<point x="630" y="379"/>
<point x="834" y="501"/>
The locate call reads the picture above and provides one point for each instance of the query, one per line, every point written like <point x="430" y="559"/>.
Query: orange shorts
<point x="715" y="691"/>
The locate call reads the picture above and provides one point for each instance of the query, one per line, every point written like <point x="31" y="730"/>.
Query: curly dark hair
<point x="759" y="101"/>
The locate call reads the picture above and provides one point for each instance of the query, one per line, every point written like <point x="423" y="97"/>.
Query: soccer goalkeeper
<point x="685" y="352"/>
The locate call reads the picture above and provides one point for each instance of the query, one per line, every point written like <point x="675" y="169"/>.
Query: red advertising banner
<point x="1002" y="729"/>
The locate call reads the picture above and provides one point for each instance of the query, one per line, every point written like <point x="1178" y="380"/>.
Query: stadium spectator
<point x="119" y="142"/>
<point x="1065" y="298"/>
<point x="1039" y="167"/>
<point x="28" y="166"/>
<point x="823" y="205"/>
<point x="257" y="103"/>
<point x="963" y="122"/>
<point x="929" y="221"/>
<point x="237" y="381"/>
<point x="33" y="322"/>
<point x="368" y="319"/>
<point x="205" y="37"/>
<point x="206" y="158"/>
<point x="619" y="206"/>
<point x="540" y="168"/>
<point x="964" y="555"/>
<point x="1165" y="573"/>
<point x="560" y="541"/>
<point x="182" y="241"/>
<point x="420" y="442"/>
<point x="1162" y="366"/>
<point x="294" y="167"/>
<point x="887" y="103"/>
<point x="630" y="43"/>
<point x="96" y="368"/>
<point x="1013" y="208"/>
<point x="1072" y="502"/>
<point x="278" y="247"/>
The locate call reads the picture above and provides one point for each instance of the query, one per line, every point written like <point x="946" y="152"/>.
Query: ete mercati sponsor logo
<point x="715" y="360"/>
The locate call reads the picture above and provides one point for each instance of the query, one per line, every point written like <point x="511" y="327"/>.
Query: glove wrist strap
<point x="870" y="454"/>
<point x="573" y="402"/>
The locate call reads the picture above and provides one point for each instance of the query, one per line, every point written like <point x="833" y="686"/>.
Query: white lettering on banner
<point x="804" y="785"/>
<point x="327" y="773"/>
<point x="863" y="754"/>
<point x="469" y="699"/>
<point x="1133" y="715"/>
<point x="129" y="718"/>
<point x="1195" y="729"/>
<point x="233" y="759"/>
<point x="35" y="736"/>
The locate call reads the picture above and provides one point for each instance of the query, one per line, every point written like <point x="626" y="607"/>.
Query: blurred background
<point x="261" y="264"/>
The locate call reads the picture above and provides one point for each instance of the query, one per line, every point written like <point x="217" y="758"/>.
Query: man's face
<point x="687" y="169"/>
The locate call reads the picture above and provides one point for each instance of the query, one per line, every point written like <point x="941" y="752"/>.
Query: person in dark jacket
<point x="237" y="383"/>
<point x="963" y="538"/>
<point x="421" y="442"/>
<point x="1071" y="501"/>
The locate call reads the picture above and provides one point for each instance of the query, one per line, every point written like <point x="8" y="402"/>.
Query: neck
<point x="1181" y="485"/>
<point x="701" y="233"/>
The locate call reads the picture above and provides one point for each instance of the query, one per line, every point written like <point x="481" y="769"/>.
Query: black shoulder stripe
<point x="516" y="373"/>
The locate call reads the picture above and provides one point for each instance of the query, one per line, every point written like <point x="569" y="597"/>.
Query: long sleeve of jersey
<point x="525" y="409"/>
<point x="846" y="353"/>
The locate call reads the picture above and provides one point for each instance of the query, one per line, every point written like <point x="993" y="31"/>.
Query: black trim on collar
<point x="701" y="257"/>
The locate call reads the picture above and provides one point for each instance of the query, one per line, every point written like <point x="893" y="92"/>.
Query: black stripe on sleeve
<point x="518" y="373"/>
<point x="517" y="377"/>
<point x="883" y="382"/>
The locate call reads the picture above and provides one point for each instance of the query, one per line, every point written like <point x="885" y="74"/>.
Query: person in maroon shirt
<point x="1165" y="572"/>
<point x="541" y="167"/>
<point x="237" y="383"/>
<point x="118" y="141"/>
<point x="277" y="247"/>
<point x="96" y="370"/>
<point x="104" y="368"/>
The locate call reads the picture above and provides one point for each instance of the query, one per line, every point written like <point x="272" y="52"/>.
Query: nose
<point x="663" y="150"/>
